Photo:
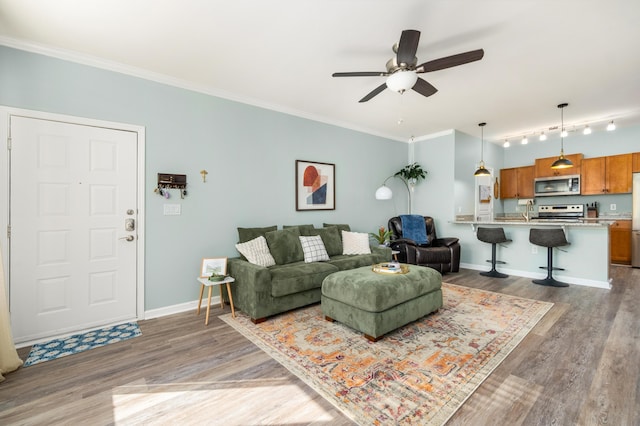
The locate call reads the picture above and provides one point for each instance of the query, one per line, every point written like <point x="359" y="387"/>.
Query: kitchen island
<point x="586" y="261"/>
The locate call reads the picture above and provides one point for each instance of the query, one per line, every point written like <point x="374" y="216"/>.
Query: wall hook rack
<point x="168" y="181"/>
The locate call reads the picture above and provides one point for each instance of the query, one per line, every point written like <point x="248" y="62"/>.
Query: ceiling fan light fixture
<point x="401" y="81"/>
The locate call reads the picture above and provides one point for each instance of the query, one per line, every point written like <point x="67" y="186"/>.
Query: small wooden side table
<point x="204" y="282"/>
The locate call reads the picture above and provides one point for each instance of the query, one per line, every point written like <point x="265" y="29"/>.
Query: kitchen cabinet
<point x="636" y="162"/>
<point x="607" y="175"/>
<point x="543" y="166"/>
<point x="516" y="182"/>
<point x="620" y="242"/>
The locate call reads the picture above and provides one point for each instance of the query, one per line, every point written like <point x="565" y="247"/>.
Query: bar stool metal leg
<point x="493" y="272"/>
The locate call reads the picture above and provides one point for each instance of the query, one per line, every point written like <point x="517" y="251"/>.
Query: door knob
<point x="128" y="238"/>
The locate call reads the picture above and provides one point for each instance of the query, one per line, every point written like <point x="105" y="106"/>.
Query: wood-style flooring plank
<point x="578" y="366"/>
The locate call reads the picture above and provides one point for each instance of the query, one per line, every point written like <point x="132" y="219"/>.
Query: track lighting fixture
<point x="543" y="137"/>
<point x="611" y="126"/>
<point x="587" y="130"/>
<point x="524" y="140"/>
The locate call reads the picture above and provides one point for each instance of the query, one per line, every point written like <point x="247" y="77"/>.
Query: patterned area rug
<point x="57" y="348"/>
<point x="419" y="374"/>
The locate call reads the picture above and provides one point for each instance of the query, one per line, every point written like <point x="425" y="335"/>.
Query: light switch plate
<point x="612" y="207"/>
<point x="172" y="209"/>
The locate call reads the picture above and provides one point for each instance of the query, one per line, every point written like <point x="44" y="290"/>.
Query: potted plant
<point x="382" y="236"/>
<point x="411" y="174"/>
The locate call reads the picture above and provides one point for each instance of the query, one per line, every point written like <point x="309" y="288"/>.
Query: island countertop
<point x="595" y="222"/>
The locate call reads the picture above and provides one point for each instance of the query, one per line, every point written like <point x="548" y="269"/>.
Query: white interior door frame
<point x="5" y="114"/>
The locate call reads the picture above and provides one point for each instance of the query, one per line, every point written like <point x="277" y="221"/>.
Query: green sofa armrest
<point x="252" y="288"/>
<point x="382" y="254"/>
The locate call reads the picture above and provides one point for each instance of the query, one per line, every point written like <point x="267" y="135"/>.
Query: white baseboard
<point x="527" y="274"/>
<point x="176" y="309"/>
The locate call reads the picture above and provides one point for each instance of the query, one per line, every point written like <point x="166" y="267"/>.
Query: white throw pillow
<point x="313" y="248"/>
<point x="257" y="252"/>
<point x="355" y="243"/>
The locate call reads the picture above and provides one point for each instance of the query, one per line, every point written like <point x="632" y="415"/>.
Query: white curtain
<point x="9" y="359"/>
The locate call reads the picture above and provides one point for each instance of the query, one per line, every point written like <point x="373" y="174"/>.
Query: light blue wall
<point x="249" y="152"/>
<point x="435" y="196"/>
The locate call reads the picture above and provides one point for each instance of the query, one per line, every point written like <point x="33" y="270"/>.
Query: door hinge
<point x="9" y="231"/>
<point x="9" y="143"/>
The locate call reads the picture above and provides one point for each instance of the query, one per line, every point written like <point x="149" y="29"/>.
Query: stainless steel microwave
<point x="557" y="185"/>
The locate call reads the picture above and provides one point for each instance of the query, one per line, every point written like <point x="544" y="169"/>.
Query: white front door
<point x="73" y="215"/>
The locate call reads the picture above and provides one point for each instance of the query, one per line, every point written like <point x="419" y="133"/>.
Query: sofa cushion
<point x="330" y="237"/>
<point x="304" y="229"/>
<point x="355" y="243"/>
<point x="284" y="245"/>
<point x="248" y="234"/>
<point x="298" y="277"/>
<point x="313" y="249"/>
<point x="341" y="227"/>
<point x="344" y="262"/>
<point x="257" y="252"/>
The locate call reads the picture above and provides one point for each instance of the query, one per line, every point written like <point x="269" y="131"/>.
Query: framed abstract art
<point x="315" y="186"/>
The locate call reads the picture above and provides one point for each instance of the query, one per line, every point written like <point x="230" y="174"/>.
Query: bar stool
<point x="549" y="238"/>
<point x="493" y="236"/>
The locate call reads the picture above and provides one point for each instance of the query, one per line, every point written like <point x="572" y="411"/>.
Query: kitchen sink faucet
<point x="528" y="209"/>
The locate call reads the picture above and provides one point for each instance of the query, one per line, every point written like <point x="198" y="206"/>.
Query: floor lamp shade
<point x="384" y="193"/>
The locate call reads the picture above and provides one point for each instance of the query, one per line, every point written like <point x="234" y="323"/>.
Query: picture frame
<point x="484" y="193"/>
<point x="315" y="186"/>
<point x="213" y="265"/>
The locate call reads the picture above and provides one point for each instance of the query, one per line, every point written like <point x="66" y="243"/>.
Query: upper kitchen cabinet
<point x="516" y="182"/>
<point x="636" y="162"/>
<point x="543" y="166"/>
<point x="607" y="175"/>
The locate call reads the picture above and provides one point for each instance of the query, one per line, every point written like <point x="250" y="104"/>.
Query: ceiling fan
<point x="402" y="70"/>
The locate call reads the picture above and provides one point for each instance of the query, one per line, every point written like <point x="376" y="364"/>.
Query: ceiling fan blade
<point x="407" y="47"/>
<point x="424" y="88"/>
<point x="451" y="61"/>
<point x="374" y="92"/>
<point x="360" y="74"/>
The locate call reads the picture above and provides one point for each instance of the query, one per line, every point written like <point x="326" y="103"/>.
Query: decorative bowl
<point x="217" y="277"/>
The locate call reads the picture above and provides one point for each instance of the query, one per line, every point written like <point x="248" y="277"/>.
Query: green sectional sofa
<point x="261" y="291"/>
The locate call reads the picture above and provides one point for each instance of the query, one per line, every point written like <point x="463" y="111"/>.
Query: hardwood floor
<point x="579" y="366"/>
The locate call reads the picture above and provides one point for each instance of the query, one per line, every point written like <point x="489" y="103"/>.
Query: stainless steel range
<point x="561" y="212"/>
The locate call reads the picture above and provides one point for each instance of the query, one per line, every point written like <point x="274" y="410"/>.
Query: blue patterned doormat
<point x="57" y="348"/>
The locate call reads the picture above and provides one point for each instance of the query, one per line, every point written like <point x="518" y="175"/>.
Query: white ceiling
<point x="280" y="54"/>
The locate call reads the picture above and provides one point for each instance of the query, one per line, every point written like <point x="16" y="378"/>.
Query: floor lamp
<point x="385" y="193"/>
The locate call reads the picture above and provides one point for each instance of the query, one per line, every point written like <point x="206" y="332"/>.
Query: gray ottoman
<point x="376" y="304"/>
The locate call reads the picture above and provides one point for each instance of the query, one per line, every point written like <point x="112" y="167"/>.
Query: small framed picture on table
<point x="213" y="266"/>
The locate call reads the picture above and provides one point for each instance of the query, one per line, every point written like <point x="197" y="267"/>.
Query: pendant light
<point x="481" y="170"/>
<point x="562" y="162"/>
